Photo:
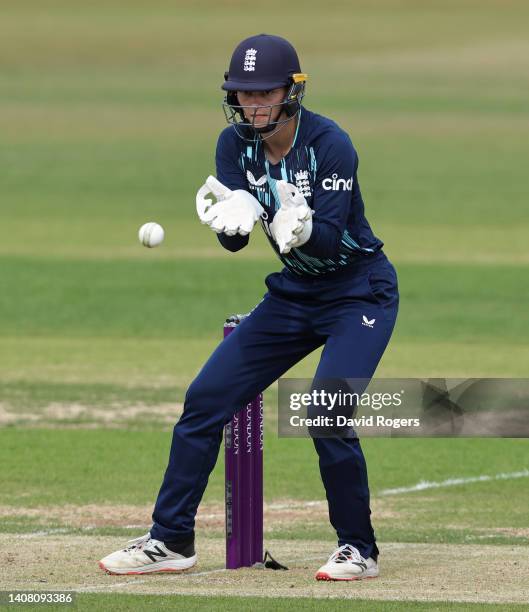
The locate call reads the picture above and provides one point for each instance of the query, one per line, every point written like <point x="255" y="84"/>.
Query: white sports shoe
<point x="144" y="556"/>
<point x="346" y="563"/>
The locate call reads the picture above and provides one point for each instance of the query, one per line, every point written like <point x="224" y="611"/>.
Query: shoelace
<point x="346" y="553"/>
<point x="138" y="543"/>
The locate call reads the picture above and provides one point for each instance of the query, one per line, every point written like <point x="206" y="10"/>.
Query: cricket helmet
<point x="261" y="63"/>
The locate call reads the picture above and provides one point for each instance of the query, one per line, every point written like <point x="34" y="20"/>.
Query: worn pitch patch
<point x="64" y="414"/>
<point x="282" y="513"/>
<point x="412" y="572"/>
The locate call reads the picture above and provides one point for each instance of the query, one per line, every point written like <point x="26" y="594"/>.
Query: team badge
<point x="302" y="183"/>
<point x="249" y="60"/>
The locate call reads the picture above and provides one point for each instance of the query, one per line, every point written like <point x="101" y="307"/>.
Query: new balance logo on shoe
<point x="367" y="322"/>
<point x="153" y="553"/>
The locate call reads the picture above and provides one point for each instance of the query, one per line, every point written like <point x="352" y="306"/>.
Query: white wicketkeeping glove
<point x="234" y="212"/>
<point x="292" y="224"/>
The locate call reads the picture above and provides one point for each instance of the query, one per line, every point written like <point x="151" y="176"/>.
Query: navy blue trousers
<point x="296" y="316"/>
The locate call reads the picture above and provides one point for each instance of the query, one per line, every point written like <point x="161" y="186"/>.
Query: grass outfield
<point x="109" y="118"/>
<point x="158" y="602"/>
<point x="474" y="512"/>
<point x="240" y="603"/>
<point x="152" y="322"/>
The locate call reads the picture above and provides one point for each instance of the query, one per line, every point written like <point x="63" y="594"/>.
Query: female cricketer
<point x="296" y="173"/>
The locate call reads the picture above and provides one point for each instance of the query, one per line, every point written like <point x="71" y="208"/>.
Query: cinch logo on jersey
<point x="249" y="60"/>
<point x="337" y="184"/>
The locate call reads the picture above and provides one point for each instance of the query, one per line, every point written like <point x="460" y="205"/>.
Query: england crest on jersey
<point x="302" y="183"/>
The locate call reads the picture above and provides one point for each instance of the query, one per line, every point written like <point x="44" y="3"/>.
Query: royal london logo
<point x="337" y="184"/>
<point x="368" y="322"/>
<point x="302" y="183"/>
<point x="249" y="60"/>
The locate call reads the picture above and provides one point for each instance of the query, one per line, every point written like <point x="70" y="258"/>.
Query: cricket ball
<point x="151" y="234"/>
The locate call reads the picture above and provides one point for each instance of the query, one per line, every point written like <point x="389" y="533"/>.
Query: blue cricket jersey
<point x="323" y="165"/>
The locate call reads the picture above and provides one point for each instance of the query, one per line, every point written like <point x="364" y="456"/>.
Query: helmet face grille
<point x="243" y="117"/>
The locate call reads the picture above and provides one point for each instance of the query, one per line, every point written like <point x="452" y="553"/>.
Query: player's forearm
<point x="233" y="243"/>
<point x="324" y="241"/>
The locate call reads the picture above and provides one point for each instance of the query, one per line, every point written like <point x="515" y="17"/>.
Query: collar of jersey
<point x="267" y="163"/>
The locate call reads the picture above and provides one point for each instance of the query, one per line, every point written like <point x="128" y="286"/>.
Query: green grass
<point x="141" y="323"/>
<point x="244" y="603"/>
<point x="69" y="457"/>
<point x="54" y="450"/>
<point x="171" y="299"/>
<point x="121" y="602"/>
<point x="36" y="394"/>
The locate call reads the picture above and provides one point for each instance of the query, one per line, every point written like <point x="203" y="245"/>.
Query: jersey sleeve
<point x="231" y="175"/>
<point x="334" y="189"/>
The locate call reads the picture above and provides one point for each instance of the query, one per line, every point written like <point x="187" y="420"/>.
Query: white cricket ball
<point x="151" y="234"/>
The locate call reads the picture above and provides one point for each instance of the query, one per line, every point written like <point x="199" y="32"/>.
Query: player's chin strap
<point x="262" y="134"/>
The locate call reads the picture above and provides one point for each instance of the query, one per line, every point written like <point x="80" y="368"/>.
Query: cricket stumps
<point x="243" y="444"/>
